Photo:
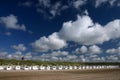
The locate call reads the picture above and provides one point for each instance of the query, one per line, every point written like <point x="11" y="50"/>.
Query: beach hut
<point x="75" y="67"/>
<point x="80" y="67"/>
<point x="60" y="67"/>
<point x="87" y="67"/>
<point x="95" y="67"/>
<point x="54" y="67"/>
<point x="27" y="68"/>
<point x="66" y="67"/>
<point x="35" y="68"/>
<point x="48" y="67"/>
<point x="8" y="67"/>
<point x="70" y="67"/>
<point x="1" y="67"/>
<point x="83" y="67"/>
<point x="42" y="67"/>
<point x="17" y="68"/>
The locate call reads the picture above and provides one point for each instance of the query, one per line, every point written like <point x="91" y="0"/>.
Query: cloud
<point x="19" y="47"/>
<point x="83" y="49"/>
<point x="99" y="2"/>
<point x="27" y="4"/>
<point x="54" y="56"/>
<point x="59" y="53"/>
<point x="94" y="49"/>
<point x="78" y="3"/>
<point x="50" y="10"/>
<point x="17" y="55"/>
<point x="84" y="31"/>
<point x="28" y="56"/>
<point x="11" y="22"/>
<point x="55" y="9"/>
<point x="113" y="51"/>
<point x="111" y="3"/>
<point x="113" y="58"/>
<point x="90" y="50"/>
<point x="44" y="3"/>
<point x="3" y="55"/>
<point x="53" y="42"/>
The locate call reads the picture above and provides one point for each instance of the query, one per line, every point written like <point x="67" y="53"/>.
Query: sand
<point x="105" y="74"/>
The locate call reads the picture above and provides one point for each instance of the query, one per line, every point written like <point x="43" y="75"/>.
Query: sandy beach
<point x="105" y="74"/>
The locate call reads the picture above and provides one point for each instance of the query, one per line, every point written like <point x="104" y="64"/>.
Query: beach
<point x="98" y="74"/>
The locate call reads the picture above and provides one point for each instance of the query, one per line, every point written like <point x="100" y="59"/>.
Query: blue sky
<point x="60" y="30"/>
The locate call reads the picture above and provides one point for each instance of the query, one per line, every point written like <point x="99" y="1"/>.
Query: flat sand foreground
<point x="105" y="74"/>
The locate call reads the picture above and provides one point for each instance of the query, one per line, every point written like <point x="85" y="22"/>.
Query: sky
<point x="60" y="30"/>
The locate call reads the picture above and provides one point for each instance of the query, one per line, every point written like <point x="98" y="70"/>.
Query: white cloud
<point x="28" y="56"/>
<point x="94" y="49"/>
<point x="113" y="51"/>
<point x="111" y="3"/>
<point x="83" y="49"/>
<point x="55" y="9"/>
<point x="99" y="2"/>
<point x="112" y="29"/>
<point x="19" y="47"/>
<point x="54" y="56"/>
<point x="84" y="31"/>
<point x="11" y="22"/>
<point x="71" y="58"/>
<point x="59" y="53"/>
<point x="3" y="54"/>
<point x="53" y="42"/>
<point x="78" y="3"/>
<point x="91" y="50"/>
<point x="44" y="3"/>
<point x="113" y="58"/>
<point x="17" y="55"/>
<point x="50" y="10"/>
<point x="26" y="4"/>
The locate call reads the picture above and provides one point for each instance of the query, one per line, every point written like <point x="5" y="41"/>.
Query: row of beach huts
<point x="61" y="67"/>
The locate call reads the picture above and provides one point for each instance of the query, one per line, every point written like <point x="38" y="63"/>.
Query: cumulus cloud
<point x="11" y="22"/>
<point x="83" y="49"/>
<point x="113" y="51"/>
<point x="3" y="55"/>
<point x="84" y="31"/>
<point x="113" y="58"/>
<point x="94" y="49"/>
<point x="19" y="47"/>
<point x="27" y="4"/>
<point x="91" y="50"/>
<point x="54" y="56"/>
<point x="51" y="10"/>
<point x="78" y="3"/>
<point x="28" y="56"/>
<point x="53" y="42"/>
<point x="44" y="3"/>
<point x="48" y="9"/>
<point x="17" y="55"/>
<point x="99" y="3"/>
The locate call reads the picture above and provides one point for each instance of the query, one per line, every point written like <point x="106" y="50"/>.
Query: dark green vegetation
<point x="45" y="63"/>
